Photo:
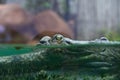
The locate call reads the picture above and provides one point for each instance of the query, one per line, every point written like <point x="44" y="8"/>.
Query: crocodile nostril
<point x="42" y="42"/>
<point x="68" y="42"/>
<point x="103" y="39"/>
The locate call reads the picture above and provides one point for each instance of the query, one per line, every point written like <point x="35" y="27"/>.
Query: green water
<point x="15" y="49"/>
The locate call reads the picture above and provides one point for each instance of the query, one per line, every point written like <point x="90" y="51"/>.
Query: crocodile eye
<point x="42" y="42"/>
<point x="58" y="38"/>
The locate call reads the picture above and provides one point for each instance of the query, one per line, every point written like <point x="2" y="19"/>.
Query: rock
<point x="48" y="23"/>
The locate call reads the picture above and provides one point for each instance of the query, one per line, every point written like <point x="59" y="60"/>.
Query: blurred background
<point x="26" y="21"/>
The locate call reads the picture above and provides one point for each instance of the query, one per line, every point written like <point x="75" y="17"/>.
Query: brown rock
<point x="49" y="23"/>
